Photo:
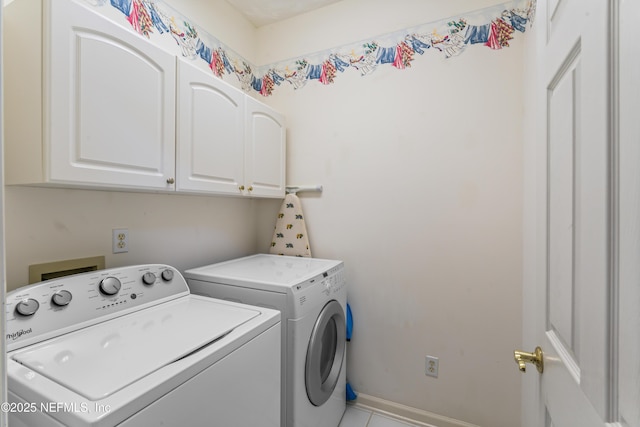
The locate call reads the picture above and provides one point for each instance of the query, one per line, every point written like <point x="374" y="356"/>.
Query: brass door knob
<point x="241" y="188"/>
<point x="522" y="358"/>
<point x="250" y="188"/>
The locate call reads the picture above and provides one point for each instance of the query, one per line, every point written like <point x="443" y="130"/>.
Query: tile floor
<point x="357" y="417"/>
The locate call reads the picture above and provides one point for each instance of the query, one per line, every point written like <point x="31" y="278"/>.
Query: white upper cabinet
<point x="210" y="133"/>
<point x="91" y="103"/>
<point x="106" y="108"/>
<point x="264" y="150"/>
<point x="228" y="143"/>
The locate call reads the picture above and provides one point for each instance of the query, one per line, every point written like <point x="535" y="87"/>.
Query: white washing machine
<point x="311" y="293"/>
<point x="132" y="347"/>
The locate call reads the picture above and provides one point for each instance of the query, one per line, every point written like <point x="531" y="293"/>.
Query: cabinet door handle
<point x="250" y="188"/>
<point x="241" y="188"/>
<point x="170" y="181"/>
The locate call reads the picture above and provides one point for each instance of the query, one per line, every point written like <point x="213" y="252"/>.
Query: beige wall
<point x="422" y="176"/>
<point x="350" y="21"/>
<point x="221" y="20"/>
<point x="44" y="225"/>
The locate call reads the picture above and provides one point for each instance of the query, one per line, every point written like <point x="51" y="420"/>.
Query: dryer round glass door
<point x="325" y="353"/>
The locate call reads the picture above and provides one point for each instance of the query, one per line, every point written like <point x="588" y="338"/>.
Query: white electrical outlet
<point x="120" y="240"/>
<point x="431" y="366"/>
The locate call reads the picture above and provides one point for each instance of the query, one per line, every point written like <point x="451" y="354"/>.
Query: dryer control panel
<point x="324" y="287"/>
<point x="55" y="307"/>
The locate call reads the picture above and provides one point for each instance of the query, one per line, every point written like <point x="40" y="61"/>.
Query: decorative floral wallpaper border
<point x="492" y="27"/>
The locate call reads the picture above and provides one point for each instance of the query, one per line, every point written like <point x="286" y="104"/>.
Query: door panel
<point x="112" y="103"/>
<point x="109" y="119"/>
<point x="265" y="150"/>
<point x="562" y="96"/>
<point x="210" y="133"/>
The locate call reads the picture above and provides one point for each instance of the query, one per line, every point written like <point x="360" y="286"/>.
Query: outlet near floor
<point x="431" y="366"/>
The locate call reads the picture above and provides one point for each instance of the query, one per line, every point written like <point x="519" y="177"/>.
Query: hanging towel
<point x="351" y="395"/>
<point x="290" y="234"/>
<point x="349" y="322"/>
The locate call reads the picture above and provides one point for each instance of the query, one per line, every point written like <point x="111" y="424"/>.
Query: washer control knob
<point x="61" y="298"/>
<point x="110" y="286"/>
<point x="149" y="278"/>
<point x="167" y="275"/>
<point x="27" y="307"/>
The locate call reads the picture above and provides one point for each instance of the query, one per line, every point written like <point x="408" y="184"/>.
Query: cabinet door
<point x="111" y="109"/>
<point x="210" y="133"/>
<point x="265" y="151"/>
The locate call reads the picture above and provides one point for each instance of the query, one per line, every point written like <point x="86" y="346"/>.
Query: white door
<point x="629" y="217"/>
<point x="111" y="108"/>
<point x="210" y="143"/>
<point x="265" y="151"/>
<point x="569" y="281"/>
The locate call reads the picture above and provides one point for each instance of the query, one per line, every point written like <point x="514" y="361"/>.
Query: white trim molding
<point x="407" y="413"/>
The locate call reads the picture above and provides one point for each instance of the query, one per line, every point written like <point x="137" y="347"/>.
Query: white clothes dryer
<point x="131" y="347"/>
<point x="311" y="293"/>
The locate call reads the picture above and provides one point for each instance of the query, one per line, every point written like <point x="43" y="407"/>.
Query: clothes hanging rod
<point x="298" y="188"/>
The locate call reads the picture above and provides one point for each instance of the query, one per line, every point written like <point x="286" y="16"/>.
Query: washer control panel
<point x="46" y="309"/>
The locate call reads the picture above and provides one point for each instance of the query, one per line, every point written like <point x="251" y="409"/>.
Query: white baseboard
<point x="407" y="413"/>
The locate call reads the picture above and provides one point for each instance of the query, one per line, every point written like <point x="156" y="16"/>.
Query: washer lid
<point x="102" y="359"/>
<point x="277" y="270"/>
